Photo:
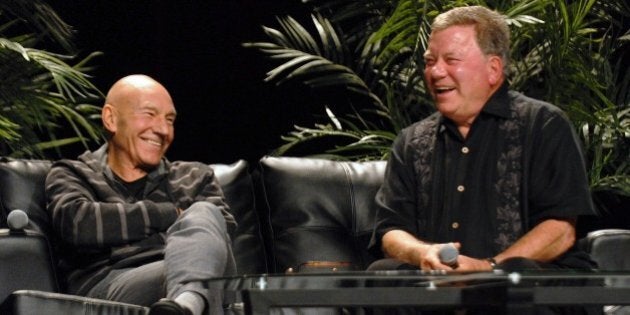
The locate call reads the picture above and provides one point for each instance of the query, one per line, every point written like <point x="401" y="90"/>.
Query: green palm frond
<point x="42" y="20"/>
<point x="316" y="63"/>
<point x="41" y="92"/>
<point x="607" y="139"/>
<point x="360" y="144"/>
<point x="400" y="30"/>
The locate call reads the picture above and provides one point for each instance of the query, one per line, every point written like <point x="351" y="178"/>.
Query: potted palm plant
<point x="570" y="53"/>
<point x="41" y="92"/>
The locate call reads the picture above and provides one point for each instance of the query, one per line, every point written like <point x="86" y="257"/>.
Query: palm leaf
<point x="42" y="18"/>
<point x="304" y="60"/>
<point x="41" y="92"/>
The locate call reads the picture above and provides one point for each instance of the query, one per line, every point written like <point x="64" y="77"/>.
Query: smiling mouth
<point x="442" y="90"/>
<point x="154" y="142"/>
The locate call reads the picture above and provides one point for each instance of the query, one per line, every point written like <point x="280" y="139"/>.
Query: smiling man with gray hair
<point x="494" y="173"/>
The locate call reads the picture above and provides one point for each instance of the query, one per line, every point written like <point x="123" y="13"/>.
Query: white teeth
<point x="158" y="143"/>
<point x="443" y="89"/>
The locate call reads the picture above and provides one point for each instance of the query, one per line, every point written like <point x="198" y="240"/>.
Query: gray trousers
<point x="198" y="248"/>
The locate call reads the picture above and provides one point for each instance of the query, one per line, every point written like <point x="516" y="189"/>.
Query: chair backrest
<point x="22" y="187"/>
<point x="237" y="185"/>
<point x="318" y="211"/>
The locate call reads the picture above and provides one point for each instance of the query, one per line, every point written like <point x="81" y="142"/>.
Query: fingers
<point x="431" y="259"/>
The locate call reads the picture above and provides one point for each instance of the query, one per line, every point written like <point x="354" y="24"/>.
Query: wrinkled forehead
<point x="142" y="94"/>
<point x="155" y="101"/>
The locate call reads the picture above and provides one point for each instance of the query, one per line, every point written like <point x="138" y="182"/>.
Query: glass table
<point x="513" y="293"/>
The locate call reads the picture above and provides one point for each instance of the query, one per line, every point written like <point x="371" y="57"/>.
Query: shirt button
<point x="455" y="225"/>
<point x="461" y="188"/>
<point x="465" y="150"/>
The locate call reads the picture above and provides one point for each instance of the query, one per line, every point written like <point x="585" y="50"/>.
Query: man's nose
<point x="162" y="126"/>
<point x="437" y="70"/>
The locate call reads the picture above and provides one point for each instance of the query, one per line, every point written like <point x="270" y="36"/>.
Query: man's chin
<point x="149" y="165"/>
<point x="445" y="109"/>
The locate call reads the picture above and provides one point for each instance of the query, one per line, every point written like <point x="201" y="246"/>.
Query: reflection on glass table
<point x="516" y="293"/>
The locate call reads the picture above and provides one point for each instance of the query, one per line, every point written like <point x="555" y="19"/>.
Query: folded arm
<point x="80" y="217"/>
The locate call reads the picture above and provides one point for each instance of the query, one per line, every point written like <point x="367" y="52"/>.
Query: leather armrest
<point x="29" y="302"/>
<point x="25" y="262"/>
<point x="610" y="248"/>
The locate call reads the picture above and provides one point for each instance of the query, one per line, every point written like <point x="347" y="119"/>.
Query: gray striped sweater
<point x="100" y="225"/>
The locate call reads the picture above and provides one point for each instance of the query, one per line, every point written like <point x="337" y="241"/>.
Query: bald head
<point x="139" y="116"/>
<point x="127" y="89"/>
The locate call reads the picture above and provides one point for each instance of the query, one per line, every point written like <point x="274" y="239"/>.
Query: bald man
<point x="134" y="227"/>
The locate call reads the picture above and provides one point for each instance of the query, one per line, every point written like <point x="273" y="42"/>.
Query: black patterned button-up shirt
<point x="520" y="163"/>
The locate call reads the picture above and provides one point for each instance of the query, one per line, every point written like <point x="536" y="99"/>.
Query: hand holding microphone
<point x="448" y="255"/>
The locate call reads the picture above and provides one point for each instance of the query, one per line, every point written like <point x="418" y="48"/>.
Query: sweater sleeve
<point x="87" y="212"/>
<point x="193" y="182"/>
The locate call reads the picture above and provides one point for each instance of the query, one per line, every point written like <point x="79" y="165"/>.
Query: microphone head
<point x="17" y="219"/>
<point x="448" y="255"/>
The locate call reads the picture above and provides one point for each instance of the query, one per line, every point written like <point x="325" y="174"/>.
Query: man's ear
<point x="495" y="69"/>
<point x="108" y="116"/>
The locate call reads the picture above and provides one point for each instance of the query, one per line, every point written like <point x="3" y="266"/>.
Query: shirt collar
<point x="100" y="155"/>
<point x="497" y="104"/>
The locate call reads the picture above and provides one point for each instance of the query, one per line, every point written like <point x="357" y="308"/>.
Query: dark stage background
<point x="225" y="110"/>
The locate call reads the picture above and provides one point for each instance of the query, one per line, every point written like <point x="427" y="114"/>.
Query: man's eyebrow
<point x="148" y="107"/>
<point x="447" y="54"/>
<point x="154" y="108"/>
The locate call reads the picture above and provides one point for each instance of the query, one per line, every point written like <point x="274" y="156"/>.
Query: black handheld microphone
<point x="448" y="255"/>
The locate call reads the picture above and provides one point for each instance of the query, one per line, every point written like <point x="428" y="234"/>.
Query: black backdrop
<point x="225" y="110"/>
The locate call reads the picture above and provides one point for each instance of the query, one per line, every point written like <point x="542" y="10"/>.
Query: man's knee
<point x="142" y="285"/>
<point x="201" y="214"/>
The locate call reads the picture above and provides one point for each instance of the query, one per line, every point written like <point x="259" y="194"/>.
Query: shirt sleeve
<point x="558" y="185"/>
<point x="396" y="199"/>
<point x="88" y="213"/>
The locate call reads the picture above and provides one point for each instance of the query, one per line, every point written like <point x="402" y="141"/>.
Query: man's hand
<point x="405" y="247"/>
<point x="467" y="264"/>
<point x="431" y="258"/>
